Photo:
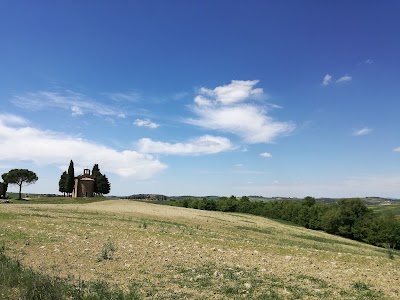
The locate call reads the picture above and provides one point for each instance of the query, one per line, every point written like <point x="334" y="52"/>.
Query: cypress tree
<point x="102" y="185"/>
<point x="95" y="170"/>
<point x="62" y="184"/>
<point x="96" y="173"/>
<point x="71" y="177"/>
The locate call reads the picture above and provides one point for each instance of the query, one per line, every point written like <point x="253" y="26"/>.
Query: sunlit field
<point x="177" y="253"/>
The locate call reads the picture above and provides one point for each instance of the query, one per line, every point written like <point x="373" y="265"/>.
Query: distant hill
<point x="368" y="200"/>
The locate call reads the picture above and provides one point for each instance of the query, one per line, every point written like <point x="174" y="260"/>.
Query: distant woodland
<point x="350" y="218"/>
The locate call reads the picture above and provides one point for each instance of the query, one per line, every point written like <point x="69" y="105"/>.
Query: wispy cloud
<point x="11" y="119"/>
<point x="76" y="103"/>
<point x="206" y="144"/>
<point x="327" y="80"/>
<point x="223" y="109"/>
<point x="367" y="62"/>
<point x="362" y="131"/>
<point x="180" y="95"/>
<point x="19" y="142"/>
<point x="266" y="154"/>
<point x="248" y="172"/>
<point x="396" y="149"/>
<point x="145" y="123"/>
<point x="128" y="96"/>
<point x="345" y="78"/>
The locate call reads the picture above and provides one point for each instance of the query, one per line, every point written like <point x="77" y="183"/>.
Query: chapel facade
<point x="84" y="185"/>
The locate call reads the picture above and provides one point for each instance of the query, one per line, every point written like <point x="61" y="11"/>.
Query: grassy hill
<point x="393" y="209"/>
<point x="177" y="253"/>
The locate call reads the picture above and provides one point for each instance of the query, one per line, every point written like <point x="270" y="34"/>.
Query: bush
<point x="107" y="252"/>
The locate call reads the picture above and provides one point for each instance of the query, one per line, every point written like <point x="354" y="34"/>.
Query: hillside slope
<point x="172" y="252"/>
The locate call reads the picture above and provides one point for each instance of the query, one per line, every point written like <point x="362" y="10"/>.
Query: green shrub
<point x="107" y="252"/>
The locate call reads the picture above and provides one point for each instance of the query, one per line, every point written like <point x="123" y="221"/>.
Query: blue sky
<point x="272" y="98"/>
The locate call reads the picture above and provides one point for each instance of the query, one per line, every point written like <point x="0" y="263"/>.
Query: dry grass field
<point x="179" y="253"/>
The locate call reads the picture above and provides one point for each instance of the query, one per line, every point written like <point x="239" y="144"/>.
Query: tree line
<point x="155" y="197"/>
<point x="67" y="181"/>
<point x="350" y="218"/>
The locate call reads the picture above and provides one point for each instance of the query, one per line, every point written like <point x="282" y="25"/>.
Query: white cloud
<point x="24" y="143"/>
<point x="76" y="102"/>
<point x="236" y="91"/>
<point x="145" y="123"/>
<point x="266" y="154"/>
<point x="396" y="149"/>
<point x="11" y="119"/>
<point x="345" y="78"/>
<point x="76" y="110"/>
<point x="274" y="105"/>
<point x="225" y="111"/>
<point x="238" y="165"/>
<point x="201" y="101"/>
<point x="206" y="144"/>
<point x="250" y="122"/>
<point x="362" y="131"/>
<point x="327" y="80"/>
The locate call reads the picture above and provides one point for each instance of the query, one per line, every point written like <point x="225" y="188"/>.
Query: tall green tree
<point x="96" y="170"/>
<point x="20" y="177"/>
<point x="309" y="201"/>
<point x="391" y="231"/>
<point x="71" y="177"/>
<point x="102" y="185"/>
<point x="96" y="173"/>
<point x="62" y="184"/>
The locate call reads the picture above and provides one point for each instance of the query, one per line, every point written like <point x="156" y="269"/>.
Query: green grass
<point x="59" y="200"/>
<point x="7" y="216"/>
<point x="255" y="229"/>
<point x="18" y="282"/>
<point x="364" y="291"/>
<point x="387" y="209"/>
<point x="323" y="240"/>
<point x="238" y="283"/>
